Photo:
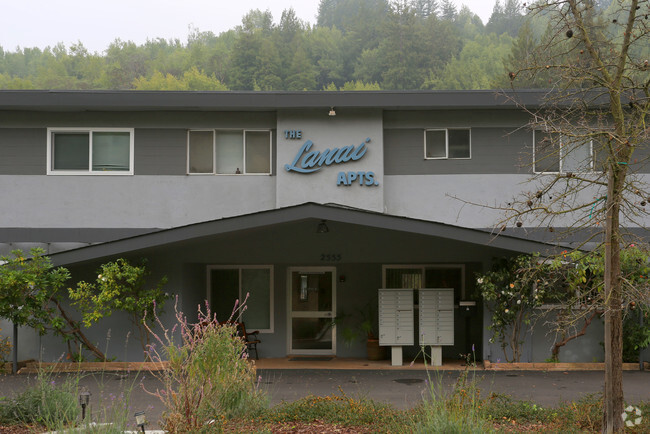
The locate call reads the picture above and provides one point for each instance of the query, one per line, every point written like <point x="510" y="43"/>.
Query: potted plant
<point x="362" y="324"/>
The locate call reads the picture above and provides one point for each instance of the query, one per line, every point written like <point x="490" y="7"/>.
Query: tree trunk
<point x="79" y="335"/>
<point x="613" y="397"/>
<point x="555" y="352"/>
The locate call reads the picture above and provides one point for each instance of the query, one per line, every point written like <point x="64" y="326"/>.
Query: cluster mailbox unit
<point x="397" y="326"/>
<point x="436" y="320"/>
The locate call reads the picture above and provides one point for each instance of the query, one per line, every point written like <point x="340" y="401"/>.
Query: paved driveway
<point x="401" y="388"/>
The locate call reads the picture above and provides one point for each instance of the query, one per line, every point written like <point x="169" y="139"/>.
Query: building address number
<point x="330" y="257"/>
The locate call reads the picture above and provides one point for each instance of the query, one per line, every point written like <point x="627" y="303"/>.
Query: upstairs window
<point x="83" y="151"/>
<point x="554" y="153"/>
<point x="447" y="143"/>
<point x="232" y="152"/>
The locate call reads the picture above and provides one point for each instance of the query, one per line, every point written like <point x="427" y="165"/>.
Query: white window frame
<point x="242" y="295"/>
<point x="422" y="268"/>
<point x="90" y="131"/>
<point x="561" y="157"/>
<point x="214" y="151"/>
<point x="447" y="157"/>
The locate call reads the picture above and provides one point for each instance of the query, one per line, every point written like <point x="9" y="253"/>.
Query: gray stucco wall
<point x="130" y="201"/>
<point x="539" y="339"/>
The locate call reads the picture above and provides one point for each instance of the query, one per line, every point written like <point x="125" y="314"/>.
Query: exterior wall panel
<point x="493" y="151"/>
<point x="160" y="151"/>
<point x="22" y="151"/>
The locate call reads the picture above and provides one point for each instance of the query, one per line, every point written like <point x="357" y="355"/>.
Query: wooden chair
<point x="250" y="338"/>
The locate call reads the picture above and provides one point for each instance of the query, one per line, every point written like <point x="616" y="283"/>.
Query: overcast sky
<point x="96" y="23"/>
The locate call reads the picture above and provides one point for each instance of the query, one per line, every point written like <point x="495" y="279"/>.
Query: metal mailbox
<point x="436" y="316"/>
<point x="396" y="319"/>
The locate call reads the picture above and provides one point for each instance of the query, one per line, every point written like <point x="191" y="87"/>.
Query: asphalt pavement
<point x="401" y="388"/>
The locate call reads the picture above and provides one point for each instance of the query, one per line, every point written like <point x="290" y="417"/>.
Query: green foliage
<point x="362" y="324"/>
<point x="208" y="376"/>
<point x="5" y="351"/>
<point x="583" y="276"/>
<point x="192" y="80"/>
<point x="512" y="292"/>
<point x="29" y="287"/>
<point x="572" y="285"/>
<point x="635" y="336"/>
<point x="121" y="286"/>
<point x="502" y="408"/>
<point x="48" y="403"/>
<point x="397" y="45"/>
<point x="337" y="409"/>
<point x="477" y="65"/>
<point x="455" y="412"/>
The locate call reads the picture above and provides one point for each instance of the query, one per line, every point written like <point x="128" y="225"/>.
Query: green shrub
<point x="208" y="379"/>
<point x="46" y="403"/>
<point x="338" y="409"/>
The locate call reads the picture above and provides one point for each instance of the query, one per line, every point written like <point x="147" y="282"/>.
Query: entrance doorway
<point x="311" y="309"/>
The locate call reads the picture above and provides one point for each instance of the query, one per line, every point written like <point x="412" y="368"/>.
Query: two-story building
<point x="307" y="201"/>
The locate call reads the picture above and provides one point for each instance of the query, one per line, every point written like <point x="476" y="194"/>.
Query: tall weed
<point x="46" y="403"/>
<point x="209" y="378"/>
<point x="458" y="411"/>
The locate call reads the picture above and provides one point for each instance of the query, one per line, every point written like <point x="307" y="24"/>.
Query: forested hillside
<point x="354" y="45"/>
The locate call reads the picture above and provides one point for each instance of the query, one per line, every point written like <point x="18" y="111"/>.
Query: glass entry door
<point x="312" y="308"/>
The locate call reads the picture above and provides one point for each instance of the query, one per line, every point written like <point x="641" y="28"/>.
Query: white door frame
<point x="329" y="314"/>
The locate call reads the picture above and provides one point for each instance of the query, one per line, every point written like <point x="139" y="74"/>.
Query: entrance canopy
<point x="329" y="213"/>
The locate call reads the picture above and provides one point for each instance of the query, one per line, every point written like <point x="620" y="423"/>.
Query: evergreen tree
<point x="448" y="10"/>
<point x="302" y="75"/>
<point x="425" y="8"/>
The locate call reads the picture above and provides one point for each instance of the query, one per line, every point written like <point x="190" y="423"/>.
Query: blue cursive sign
<point x="307" y="161"/>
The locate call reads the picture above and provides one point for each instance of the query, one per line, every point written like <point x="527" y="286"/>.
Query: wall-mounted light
<point x="322" y="227"/>
<point x="332" y="112"/>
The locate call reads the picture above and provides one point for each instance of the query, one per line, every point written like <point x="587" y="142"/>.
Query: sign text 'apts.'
<point x="309" y="161"/>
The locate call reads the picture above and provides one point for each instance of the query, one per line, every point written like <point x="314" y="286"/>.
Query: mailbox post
<point x="396" y="321"/>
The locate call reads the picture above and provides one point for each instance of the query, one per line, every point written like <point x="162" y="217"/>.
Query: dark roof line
<point x="310" y="210"/>
<point x="110" y="100"/>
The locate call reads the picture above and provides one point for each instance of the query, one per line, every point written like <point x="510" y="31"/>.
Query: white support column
<point x="396" y="356"/>
<point x="436" y="356"/>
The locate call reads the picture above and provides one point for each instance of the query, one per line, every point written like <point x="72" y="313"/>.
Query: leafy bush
<point x="47" y="404"/>
<point x="121" y="286"/>
<point x="208" y="379"/>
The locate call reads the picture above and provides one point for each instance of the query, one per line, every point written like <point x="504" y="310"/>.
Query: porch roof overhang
<point x="296" y="213"/>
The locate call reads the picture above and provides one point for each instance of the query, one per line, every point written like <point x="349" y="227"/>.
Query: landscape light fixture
<point x="84" y="399"/>
<point x="140" y="420"/>
<point x="332" y="112"/>
<point x="322" y="228"/>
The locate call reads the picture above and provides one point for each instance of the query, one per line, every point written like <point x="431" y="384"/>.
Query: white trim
<point x="208" y="297"/>
<point x="422" y="268"/>
<point x="290" y="314"/>
<point x="90" y="131"/>
<point x="446" y="130"/>
<point x="214" y="151"/>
